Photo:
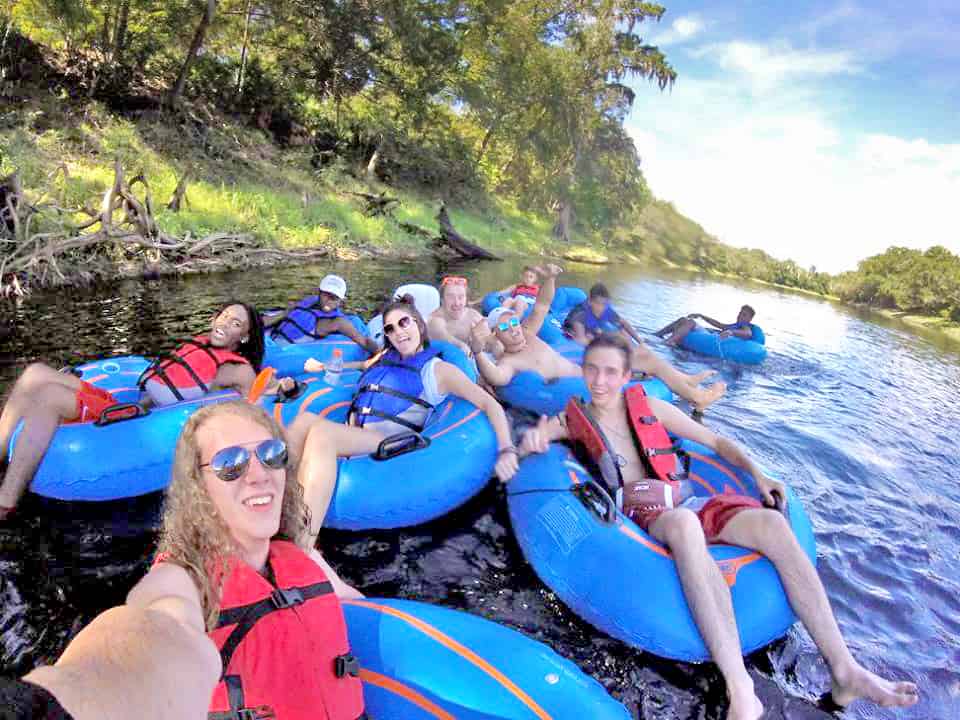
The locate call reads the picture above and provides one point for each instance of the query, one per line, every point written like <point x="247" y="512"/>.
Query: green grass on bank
<point x="240" y="182"/>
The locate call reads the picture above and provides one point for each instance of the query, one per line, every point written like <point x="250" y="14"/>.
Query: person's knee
<point x="771" y="531"/>
<point x="34" y="374"/>
<point x="681" y="528"/>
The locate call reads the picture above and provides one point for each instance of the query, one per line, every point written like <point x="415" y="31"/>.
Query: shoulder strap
<point x="584" y="431"/>
<point x="658" y="451"/>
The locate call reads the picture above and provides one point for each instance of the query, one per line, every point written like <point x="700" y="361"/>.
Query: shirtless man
<point x="729" y="519"/>
<point x="453" y="319"/>
<point x="523" y="350"/>
<point x="680" y="328"/>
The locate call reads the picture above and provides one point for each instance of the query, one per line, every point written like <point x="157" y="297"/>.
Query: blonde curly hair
<point x="193" y="535"/>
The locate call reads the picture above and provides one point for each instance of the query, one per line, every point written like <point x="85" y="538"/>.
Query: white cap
<point x="494" y="317"/>
<point x="335" y="285"/>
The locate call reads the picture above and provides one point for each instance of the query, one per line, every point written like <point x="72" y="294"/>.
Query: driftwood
<point x="376" y="204"/>
<point x="119" y="239"/>
<point x="416" y="230"/>
<point x="456" y="242"/>
<point x="179" y="196"/>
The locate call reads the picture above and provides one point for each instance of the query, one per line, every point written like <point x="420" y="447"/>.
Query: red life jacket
<point x="656" y="449"/>
<point x="528" y="290"/>
<point x="284" y="649"/>
<point x="185" y="374"/>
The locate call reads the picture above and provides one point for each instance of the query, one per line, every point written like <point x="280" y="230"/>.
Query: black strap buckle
<point x="284" y="598"/>
<point x="649" y="419"/>
<point x="344" y="665"/>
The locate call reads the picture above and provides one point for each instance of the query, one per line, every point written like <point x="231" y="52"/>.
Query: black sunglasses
<point x="403" y="323"/>
<point x="232" y="462"/>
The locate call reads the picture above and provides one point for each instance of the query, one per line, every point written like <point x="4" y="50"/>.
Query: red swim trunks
<point x="91" y="402"/>
<point x="714" y="515"/>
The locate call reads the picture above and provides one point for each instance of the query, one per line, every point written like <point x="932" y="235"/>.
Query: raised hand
<point x="479" y="336"/>
<point x="552" y="270"/>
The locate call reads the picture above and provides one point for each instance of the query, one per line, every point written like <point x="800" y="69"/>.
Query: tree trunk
<point x="561" y="229"/>
<point x="486" y="141"/>
<point x="371" y="171"/>
<point x="120" y="31"/>
<point x="198" y="38"/>
<point x="241" y="73"/>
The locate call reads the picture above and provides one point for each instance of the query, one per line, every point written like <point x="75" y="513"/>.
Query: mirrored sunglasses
<point x="232" y="462"/>
<point x="507" y="324"/>
<point x="403" y="323"/>
<point x="453" y="280"/>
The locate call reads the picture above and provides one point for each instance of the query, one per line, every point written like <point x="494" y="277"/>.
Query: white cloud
<point x="769" y="65"/>
<point x="776" y="171"/>
<point x="681" y="30"/>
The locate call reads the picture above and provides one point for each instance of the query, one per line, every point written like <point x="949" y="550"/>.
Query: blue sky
<point x="823" y="132"/>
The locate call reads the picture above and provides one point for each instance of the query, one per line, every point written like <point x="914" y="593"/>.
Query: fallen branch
<point x="111" y="245"/>
<point x="456" y="242"/>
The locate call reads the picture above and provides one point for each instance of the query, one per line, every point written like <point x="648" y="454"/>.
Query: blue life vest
<point x="390" y="387"/>
<point x="608" y="321"/>
<point x="302" y="320"/>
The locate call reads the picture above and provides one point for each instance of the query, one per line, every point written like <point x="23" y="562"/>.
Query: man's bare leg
<point x="710" y="604"/>
<point x="768" y="532"/>
<point x="686" y="386"/>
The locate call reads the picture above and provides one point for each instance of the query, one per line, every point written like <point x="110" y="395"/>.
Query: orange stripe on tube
<point x="330" y="408"/>
<point x="649" y="544"/>
<point x="725" y="470"/>
<point x="457" y="424"/>
<point x="461" y="650"/>
<point x="407" y="693"/>
<point x="731" y="566"/>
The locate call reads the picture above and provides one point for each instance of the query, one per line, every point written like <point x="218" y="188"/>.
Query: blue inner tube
<point x="128" y="458"/>
<point x="529" y="391"/>
<point x="747" y="352"/>
<point x="423" y="484"/>
<point x="600" y="570"/>
<point x="287" y="358"/>
<point x="421" y="661"/>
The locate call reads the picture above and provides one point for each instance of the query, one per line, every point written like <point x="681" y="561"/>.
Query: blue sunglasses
<point x="507" y="324"/>
<point x="232" y="462"/>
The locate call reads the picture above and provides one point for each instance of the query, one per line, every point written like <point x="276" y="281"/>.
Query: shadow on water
<point x="858" y="417"/>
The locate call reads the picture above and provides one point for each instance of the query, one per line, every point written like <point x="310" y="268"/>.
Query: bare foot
<point x="749" y="708"/>
<point x="861" y="683"/>
<point x="705" y="397"/>
<point x="700" y="377"/>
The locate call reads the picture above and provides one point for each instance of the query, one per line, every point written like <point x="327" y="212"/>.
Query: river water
<point x="856" y="412"/>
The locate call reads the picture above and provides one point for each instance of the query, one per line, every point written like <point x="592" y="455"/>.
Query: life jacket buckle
<point x="284" y="598"/>
<point x="344" y="665"/>
<point x="648" y="419"/>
